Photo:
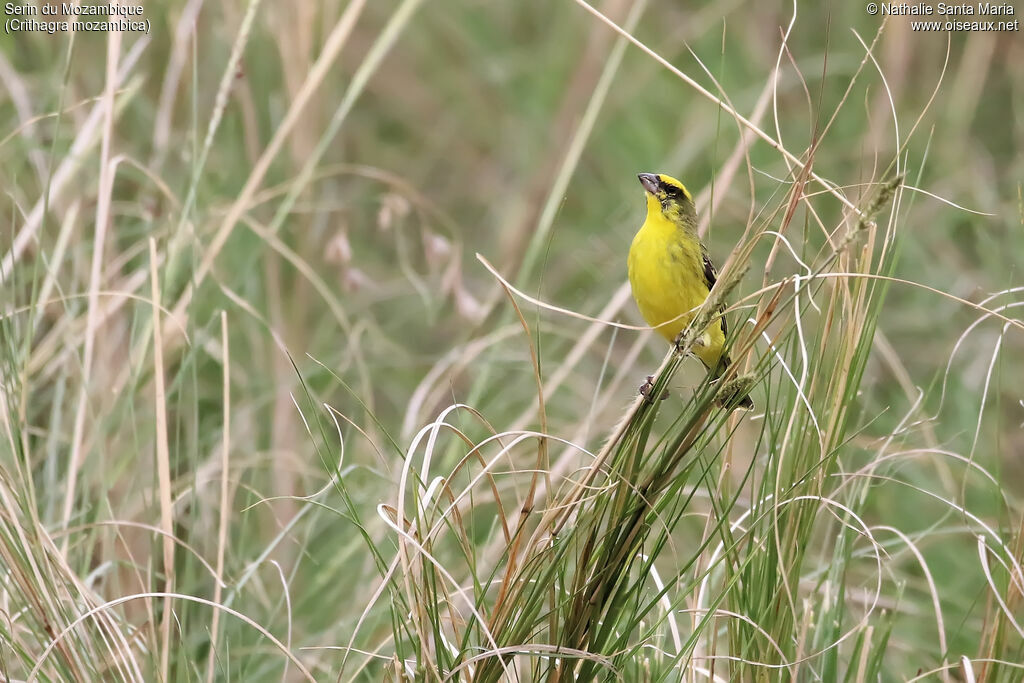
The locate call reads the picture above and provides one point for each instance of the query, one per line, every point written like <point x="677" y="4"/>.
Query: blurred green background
<point x="444" y="129"/>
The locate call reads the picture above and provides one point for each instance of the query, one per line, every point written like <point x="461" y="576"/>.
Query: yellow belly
<point x="666" y="274"/>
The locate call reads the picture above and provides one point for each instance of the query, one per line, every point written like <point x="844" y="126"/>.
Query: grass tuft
<point x="318" y="362"/>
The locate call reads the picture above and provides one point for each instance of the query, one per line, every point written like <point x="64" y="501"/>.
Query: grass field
<point x="319" y="362"/>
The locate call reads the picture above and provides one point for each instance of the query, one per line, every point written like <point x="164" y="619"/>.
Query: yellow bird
<point x="671" y="273"/>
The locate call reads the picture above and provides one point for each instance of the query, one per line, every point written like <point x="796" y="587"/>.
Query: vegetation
<point x="319" y="361"/>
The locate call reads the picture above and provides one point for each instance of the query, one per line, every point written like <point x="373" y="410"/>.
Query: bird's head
<point x="670" y="198"/>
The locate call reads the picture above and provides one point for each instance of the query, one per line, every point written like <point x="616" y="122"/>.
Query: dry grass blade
<point x="163" y="466"/>
<point x="263" y="416"/>
<point x="225" y="501"/>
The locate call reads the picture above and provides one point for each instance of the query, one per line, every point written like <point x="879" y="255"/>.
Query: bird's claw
<point x="648" y="386"/>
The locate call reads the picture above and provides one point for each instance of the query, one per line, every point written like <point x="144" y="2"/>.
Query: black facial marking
<point x="671" y="191"/>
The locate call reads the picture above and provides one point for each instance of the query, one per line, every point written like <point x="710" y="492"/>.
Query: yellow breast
<point x="666" y="272"/>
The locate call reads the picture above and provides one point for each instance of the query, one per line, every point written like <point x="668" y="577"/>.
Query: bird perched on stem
<point x="671" y="274"/>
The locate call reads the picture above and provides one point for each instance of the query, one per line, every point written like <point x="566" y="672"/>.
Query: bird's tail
<point x="736" y="392"/>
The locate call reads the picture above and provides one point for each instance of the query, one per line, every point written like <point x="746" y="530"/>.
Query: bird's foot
<point x="648" y="387"/>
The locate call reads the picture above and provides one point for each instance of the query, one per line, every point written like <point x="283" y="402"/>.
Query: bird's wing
<point x="710" y="278"/>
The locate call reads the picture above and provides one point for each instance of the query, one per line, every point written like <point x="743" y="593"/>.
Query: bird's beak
<point x="649" y="181"/>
